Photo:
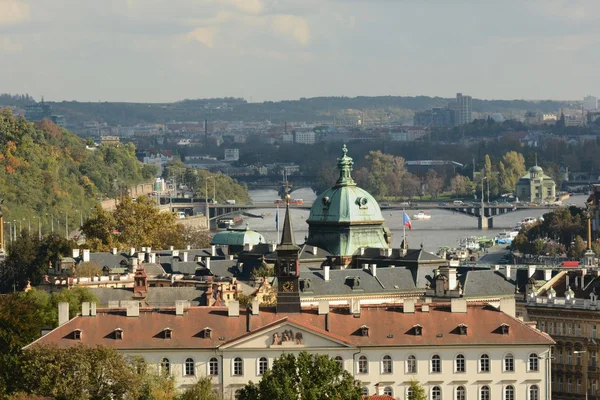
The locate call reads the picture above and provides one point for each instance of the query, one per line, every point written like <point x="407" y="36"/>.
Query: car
<point x="405" y="203"/>
<point x="442" y="204"/>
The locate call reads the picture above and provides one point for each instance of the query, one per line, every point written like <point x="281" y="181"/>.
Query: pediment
<point x="286" y="336"/>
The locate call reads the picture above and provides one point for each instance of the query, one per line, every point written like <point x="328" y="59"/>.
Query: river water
<point x="443" y="229"/>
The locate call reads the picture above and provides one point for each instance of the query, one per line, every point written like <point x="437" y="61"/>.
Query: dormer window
<point x="207" y="333"/>
<point x="462" y="329"/>
<point x="168" y="333"/>
<point x="504" y="328"/>
<point x="418" y="330"/>
<point x="364" y="331"/>
<point x="77" y="334"/>
<point x="118" y="334"/>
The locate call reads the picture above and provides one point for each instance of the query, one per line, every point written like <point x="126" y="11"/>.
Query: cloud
<point x="9" y="46"/>
<point x="204" y="35"/>
<point x="248" y="6"/>
<point x="13" y="12"/>
<point x="292" y="26"/>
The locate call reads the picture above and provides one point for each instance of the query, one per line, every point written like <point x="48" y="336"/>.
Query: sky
<point x="169" y="50"/>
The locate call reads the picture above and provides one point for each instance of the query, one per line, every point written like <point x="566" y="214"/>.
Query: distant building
<point x="59" y="120"/>
<point x="232" y="154"/>
<point x="304" y="137"/>
<point x="110" y="140"/>
<point x="536" y="187"/>
<point x="158" y="159"/>
<point x="463" y="104"/>
<point x="590" y="103"/>
<point x="38" y="111"/>
<point x="443" y="117"/>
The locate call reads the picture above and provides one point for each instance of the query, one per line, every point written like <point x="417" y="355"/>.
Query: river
<point x="443" y="229"/>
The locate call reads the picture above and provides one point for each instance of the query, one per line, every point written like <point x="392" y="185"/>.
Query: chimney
<point x="189" y="247"/>
<point x="75" y="253"/>
<point x="355" y="306"/>
<point x="213" y="250"/>
<point x="508" y="306"/>
<point x="179" y="304"/>
<point x="458" y="305"/>
<point x="315" y="250"/>
<point x="507" y="271"/>
<point x="141" y="256"/>
<point x="388" y="252"/>
<point x="152" y="258"/>
<point x="374" y="269"/>
<point x="449" y="273"/>
<point x="255" y="306"/>
<point x="323" y="307"/>
<point x="567" y="281"/>
<point x="365" y="266"/>
<point x="92" y="309"/>
<point x="207" y="263"/>
<point x="86" y="255"/>
<point x="171" y="248"/>
<point x="496" y="267"/>
<point x="134" y="264"/>
<point x="272" y="247"/>
<point x="114" y="251"/>
<point x="326" y="273"/>
<point x="148" y="249"/>
<point x="63" y="313"/>
<point x="233" y="309"/>
<point x="133" y="308"/>
<point x="85" y="308"/>
<point x="530" y="271"/>
<point x="185" y="254"/>
<point x="425" y="308"/>
<point x="379" y="390"/>
<point x="362" y="251"/>
<point x="143" y="250"/>
<point x="131" y="251"/>
<point x="409" y="306"/>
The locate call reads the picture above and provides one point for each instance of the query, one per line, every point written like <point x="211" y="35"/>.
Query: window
<point x="213" y="367"/>
<point x="484" y="363"/>
<point x="238" y="366"/>
<point x="560" y="356"/>
<point x="542" y="326"/>
<point x="594" y="331"/>
<point x="388" y="391"/>
<point x="119" y="334"/>
<point x="411" y="365"/>
<point x="410" y="394"/>
<point x="365" y="391"/>
<point x="578" y="385"/>
<point x="77" y="334"/>
<point x="436" y="393"/>
<point x="509" y="392"/>
<point x="569" y="385"/>
<point x="363" y="365"/>
<point x="168" y="333"/>
<point x="190" y="367"/>
<point x="263" y="365"/>
<point x="386" y="365"/>
<point x="340" y="361"/>
<point x="569" y="358"/>
<point x="459" y="363"/>
<point x="533" y="362"/>
<point x="578" y="358"/>
<point x="165" y="366"/>
<point x="484" y="393"/>
<point x="593" y="358"/>
<point x="460" y="393"/>
<point x="560" y="384"/>
<point x="436" y="364"/>
<point x="509" y="363"/>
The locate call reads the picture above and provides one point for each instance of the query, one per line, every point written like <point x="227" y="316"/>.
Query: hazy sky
<point x="167" y="50"/>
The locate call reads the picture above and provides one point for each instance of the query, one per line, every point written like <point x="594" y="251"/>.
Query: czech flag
<point x="406" y="222"/>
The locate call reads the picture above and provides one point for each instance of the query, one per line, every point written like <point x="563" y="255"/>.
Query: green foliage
<point x="314" y="376"/>
<point x="47" y="172"/>
<point x="202" y="390"/>
<point x="417" y="391"/>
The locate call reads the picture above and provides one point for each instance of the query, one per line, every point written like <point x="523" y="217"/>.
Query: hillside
<point x="48" y="171"/>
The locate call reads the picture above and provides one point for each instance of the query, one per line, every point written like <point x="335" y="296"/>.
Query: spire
<point x="287" y="238"/>
<point x="345" y="166"/>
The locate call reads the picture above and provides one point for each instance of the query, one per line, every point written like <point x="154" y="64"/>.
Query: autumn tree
<point x="434" y="184"/>
<point x="315" y="376"/>
<point x="201" y="390"/>
<point x="461" y="186"/>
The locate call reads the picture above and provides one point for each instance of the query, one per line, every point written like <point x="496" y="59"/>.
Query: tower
<point x="287" y="267"/>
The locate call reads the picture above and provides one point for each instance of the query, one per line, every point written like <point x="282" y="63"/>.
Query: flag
<point x="277" y="219"/>
<point x="406" y="222"/>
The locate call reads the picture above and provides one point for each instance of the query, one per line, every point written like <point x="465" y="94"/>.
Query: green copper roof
<point x="238" y="237"/>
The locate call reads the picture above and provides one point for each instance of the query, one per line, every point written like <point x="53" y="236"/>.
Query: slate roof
<point x="155" y="297"/>
<point x="485" y="283"/>
<point x="108" y="259"/>
<point x="388" y="326"/>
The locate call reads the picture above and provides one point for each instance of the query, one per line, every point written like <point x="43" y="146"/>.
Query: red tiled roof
<point x="388" y="326"/>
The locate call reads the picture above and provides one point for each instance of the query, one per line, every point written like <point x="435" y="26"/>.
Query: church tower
<point x="287" y="267"/>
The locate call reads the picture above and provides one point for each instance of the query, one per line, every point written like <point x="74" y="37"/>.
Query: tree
<point x="434" y="184"/>
<point x="416" y="390"/>
<point x="411" y="186"/>
<point x="577" y="248"/>
<point x="202" y="390"/>
<point x="461" y="186"/>
<point x="314" y="376"/>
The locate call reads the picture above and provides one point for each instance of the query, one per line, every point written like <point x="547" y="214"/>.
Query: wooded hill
<point x="48" y="171"/>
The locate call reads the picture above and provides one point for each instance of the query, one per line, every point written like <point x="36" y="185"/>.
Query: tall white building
<point x="455" y="350"/>
<point x="590" y="103"/>
<point x="232" y="154"/>
<point x="304" y="137"/>
<point x="463" y="104"/>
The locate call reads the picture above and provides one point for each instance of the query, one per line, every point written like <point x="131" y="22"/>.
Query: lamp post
<point x="482" y="179"/>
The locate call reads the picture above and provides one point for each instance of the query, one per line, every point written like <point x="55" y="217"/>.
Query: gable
<point x="285" y="336"/>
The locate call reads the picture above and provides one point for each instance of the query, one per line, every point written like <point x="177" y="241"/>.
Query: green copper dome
<point x="238" y="237"/>
<point x="346" y="217"/>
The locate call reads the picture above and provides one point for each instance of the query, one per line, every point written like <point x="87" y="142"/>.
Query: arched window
<point x="534" y="392"/>
<point x="386" y="365"/>
<point x="509" y="392"/>
<point x="436" y="393"/>
<point x="339" y="360"/>
<point x="363" y="365"/>
<point x="190" y="367"/>
<point x="460" y="393"/>
<point x="238" y="366"/>
<point x="484" y="393"/>
<point x="213" y="366"/>
<point x="533" y="362"/>
<point x="509" y="363"/>
<point x="484" y="363"/>
<point x="388" y="391"/>
<point x="411" y="365"/>
<point x="365" y="391"/>
<point x="436" y="364"/>
<point x="263" y="365"/>
<point x="459" y="363"/>
<point x="165" y="366"/>
<point x="410" y="393"/>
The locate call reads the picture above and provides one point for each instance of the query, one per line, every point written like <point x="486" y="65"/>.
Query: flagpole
<point x="404" y="229"/>
<point x="277" y="223"/>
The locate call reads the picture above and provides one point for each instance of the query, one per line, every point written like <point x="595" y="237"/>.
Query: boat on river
<point x="421" y="215"/>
